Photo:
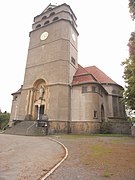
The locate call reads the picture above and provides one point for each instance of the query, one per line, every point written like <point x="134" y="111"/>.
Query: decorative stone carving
<point x="41" y="92"/>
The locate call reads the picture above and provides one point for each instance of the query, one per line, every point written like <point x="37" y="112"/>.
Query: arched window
<point x="102" y="113"/>
<point x="44" y="17"/>
<point x="52" y="13"/>
<point x="115" y="106"/>
<point x="47" y="22"/>
<point x="38" y="26"/>
<point x="55" y="19"/>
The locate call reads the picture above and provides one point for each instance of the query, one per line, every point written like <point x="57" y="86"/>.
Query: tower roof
<point x="51" y="6"/>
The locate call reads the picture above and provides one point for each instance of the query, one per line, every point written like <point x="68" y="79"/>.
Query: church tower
<point x="57" y="92"/>
<point x="51" y="65"/>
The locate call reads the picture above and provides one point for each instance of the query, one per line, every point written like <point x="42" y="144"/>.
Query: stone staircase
<point x="28" y="128"/>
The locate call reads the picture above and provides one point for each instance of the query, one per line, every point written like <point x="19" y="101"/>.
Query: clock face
<point x="73" y="37"/>
<point x="44" y="36"/>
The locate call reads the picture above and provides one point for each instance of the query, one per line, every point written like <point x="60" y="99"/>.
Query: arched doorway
<point x="40" y="99"/>
<point x="102" y="113"/>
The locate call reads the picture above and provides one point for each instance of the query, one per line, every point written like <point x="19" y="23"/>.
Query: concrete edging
<point x="59" y="163"/>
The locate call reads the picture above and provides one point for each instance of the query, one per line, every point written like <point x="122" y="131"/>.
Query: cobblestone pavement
<point x="26" y="157"/>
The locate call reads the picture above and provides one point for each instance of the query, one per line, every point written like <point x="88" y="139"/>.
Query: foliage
<point x="129" y="77"/>
<point x="132" y="8"/>
<point x="129" y="66"/>
<point x="105" y="128"/>
<point x="4" y="119"/>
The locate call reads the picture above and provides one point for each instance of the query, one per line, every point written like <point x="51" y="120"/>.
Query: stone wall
<point x="120" y="127"/>
<point x="85" y="127"/>
<point x="68" y="127"/>
<point x="76" y="127"/>
<point x="58" y="127"/>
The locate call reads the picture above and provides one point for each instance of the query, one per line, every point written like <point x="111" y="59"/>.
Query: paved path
<point x="25" y="157"/>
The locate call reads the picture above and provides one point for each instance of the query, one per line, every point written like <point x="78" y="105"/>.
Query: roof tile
<point x="99" y="75"/>
<point x="90" y="74"/>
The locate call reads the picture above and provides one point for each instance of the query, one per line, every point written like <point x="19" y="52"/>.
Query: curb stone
<point x="59" y="163"/>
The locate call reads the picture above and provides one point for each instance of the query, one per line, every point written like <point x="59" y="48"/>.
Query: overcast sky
<point x="104" y="28"/>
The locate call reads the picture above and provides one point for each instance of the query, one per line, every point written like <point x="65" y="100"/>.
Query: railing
<point x="30" y="127"/>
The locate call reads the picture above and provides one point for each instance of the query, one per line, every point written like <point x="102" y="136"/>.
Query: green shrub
<point x="105" y="128"/>
<point x="4" y="120"/>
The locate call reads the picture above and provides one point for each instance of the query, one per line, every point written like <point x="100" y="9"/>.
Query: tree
<point x="4" y="119"/>
<point x="129" y="66"/>
<point x="131" y="6"/>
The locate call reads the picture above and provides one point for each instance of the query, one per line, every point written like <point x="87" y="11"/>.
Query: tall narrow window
<point x="93" y="89"/>
<point x="102" y="113"/>
<point x="73" y="60"/>
<point x="95" y="114"/>
<point x="115" y="105"/>
<point x="121" y="108"/>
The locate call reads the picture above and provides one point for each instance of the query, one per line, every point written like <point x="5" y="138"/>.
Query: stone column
<point x="30" y="102"/>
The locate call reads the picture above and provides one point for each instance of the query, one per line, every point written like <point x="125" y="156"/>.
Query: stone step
<point x="26" y="128"/>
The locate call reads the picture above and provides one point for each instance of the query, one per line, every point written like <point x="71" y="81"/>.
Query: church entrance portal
<point x="39" y="112"/>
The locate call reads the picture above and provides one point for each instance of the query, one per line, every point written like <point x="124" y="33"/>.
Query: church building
<point x="57" y="89"/>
